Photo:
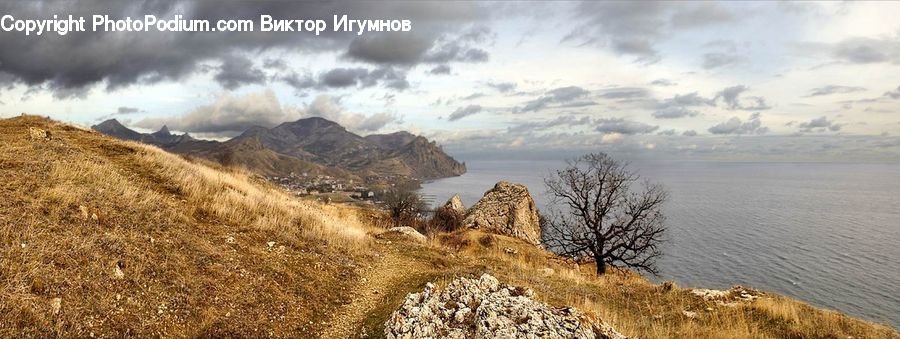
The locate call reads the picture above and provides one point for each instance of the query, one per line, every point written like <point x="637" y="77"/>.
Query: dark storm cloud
<point x="412" y="48"/>
<point x="736" y="126"/>
<point x="834" y="89"/>
<point x="237" y="71"/>
<point x="561" y="95"/>
<point x="622" y="126"/>
<point x="405" y="48"/>
<point x="362" y="77"/>
<point x="298" y="81"/>
<point x="67" y="65"/>
<point x="274" y="63"/>
<point x="731" y="96"/>
<point x="346" y="77"/>
<point x="635" y="27"/>
<point x="463" y="112"/>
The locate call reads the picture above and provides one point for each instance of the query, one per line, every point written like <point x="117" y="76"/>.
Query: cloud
<point x="413" y="48"/>
<point x="127" y="110"/>
<point x="230" y="115"/>
<point x="611" y="138"/>
<point x="677" y="106"/>
<point x="564" y="120"/>
<point x="690" y="133"/>
<point x="68" y="65"/>
<point x="834" y="89"/>
<point x="329" y="108"/>
<point x="299" y="81"/>
<point x="275" y="63"/>
<point x="463" y="112"/>
<point x="561" y="95"/>
<point x="674" y="113"/>
<point x="894" y="94"/>
<point x="362" y="77"/>
<point x="867" y="50"/>
<point x="440" y="69"/>
<point x="502" y="87"/>
<point x="403" y="48"/>
<point x="622" y="126"/>
<point x="668" y="132"/>
<point x="625" y="93"/>
<point x="731" y="96"/>
<point x="237" y="71"/>
<point x="709" y="13"/>
<point x="635" y="27"/>
<point x="473" y="96"/>
<point x="663" y="82"/>
<point x="736" y="126"/>
<point x="718" y="59"/>
<point x="820" y="124"/>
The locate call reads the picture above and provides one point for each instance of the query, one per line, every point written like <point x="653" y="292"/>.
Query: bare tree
<point x="601" y="218"/>
<point x="403" y="204"/>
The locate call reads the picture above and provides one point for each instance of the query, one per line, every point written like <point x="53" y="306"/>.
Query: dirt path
<point x="375" y="282"/>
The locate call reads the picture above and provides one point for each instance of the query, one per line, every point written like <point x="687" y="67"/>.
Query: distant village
<point x="328" y="188"/>
<point x="304" y="184"/>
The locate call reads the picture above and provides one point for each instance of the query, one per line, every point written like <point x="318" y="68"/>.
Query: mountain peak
<point x="163" y="131"/>
<point x="109" y="123"/>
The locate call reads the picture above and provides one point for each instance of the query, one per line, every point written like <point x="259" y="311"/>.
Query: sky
<point x="750" y="81"/>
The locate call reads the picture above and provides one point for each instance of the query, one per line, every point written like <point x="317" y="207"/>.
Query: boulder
<point x="506" y="209"/>
<point x="39" y="134"/>
<point x="409" y="233"/>
<point x="455" y="204"/>
<point x="486" y="308"/>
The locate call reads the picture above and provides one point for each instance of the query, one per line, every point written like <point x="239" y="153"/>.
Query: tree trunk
<point x="601" y="265"/>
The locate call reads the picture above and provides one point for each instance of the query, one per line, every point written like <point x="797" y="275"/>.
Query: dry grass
<point x="110" y="238"/>
<point x="129" y="240"/>
<point x="639" y="308"/>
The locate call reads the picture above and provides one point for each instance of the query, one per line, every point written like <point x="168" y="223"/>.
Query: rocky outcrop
<point x="485" y="308"/>
<point x="455" y="204"/>
<point x="39" y="134"/>
<point x="506" y="209"/>
<point x="409" y="233"/>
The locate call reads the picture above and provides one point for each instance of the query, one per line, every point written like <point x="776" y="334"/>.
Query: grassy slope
<point x="167" y="220"/>
<point x="74" y="208"/>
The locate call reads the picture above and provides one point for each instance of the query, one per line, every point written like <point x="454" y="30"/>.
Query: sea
<point x="825" y="233"/>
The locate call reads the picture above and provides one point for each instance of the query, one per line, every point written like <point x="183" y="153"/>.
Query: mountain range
<point x="311" y="145"/>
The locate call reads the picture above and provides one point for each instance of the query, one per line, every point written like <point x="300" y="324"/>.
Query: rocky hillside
<point x="101" y="237"/>
<point x="312" y="144"/>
